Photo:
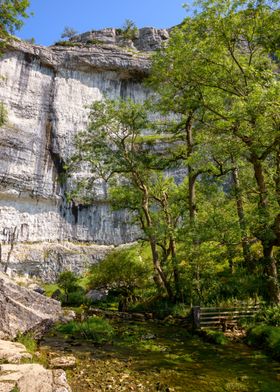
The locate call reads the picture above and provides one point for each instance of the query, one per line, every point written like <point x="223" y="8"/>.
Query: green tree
<point x="67" y="281"/>
<point x="129" y="29"/>
<point x="116" y="151"/>
<point x="11" y="14"/>
<point x="222" y="62"/>
<point x="121" y="272"/>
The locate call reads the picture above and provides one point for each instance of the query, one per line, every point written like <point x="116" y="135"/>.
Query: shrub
<point x="129" y="30"/>
<point x="269" y="316"/>
<point x="95" y="328"/>
<point x="66" y="43"/>
<point x="3" y="114"/>
<point x="75" y="298"/>
<point x="266" y="337"/>
<point x="68" y="281"/>
<point x="216" y="337"/>
<point x="122" y="272"/>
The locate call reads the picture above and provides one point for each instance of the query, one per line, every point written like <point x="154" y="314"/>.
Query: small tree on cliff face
<point x="68" y="32"/>
<point x="129" y="29"/>
<point x="224" y="61"/>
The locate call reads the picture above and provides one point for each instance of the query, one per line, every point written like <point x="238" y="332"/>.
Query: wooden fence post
<point x="196" y="317"/>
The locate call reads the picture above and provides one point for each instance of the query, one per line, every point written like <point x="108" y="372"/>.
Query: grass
<point x="28" y="341"/>
<point x="212" y="336"/>
<point x="67" y="43"/>
<point x="50" y="288"/>
<point x="95" y="328"/>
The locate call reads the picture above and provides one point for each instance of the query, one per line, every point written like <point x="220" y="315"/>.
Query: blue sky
<point x="51" y="16"/>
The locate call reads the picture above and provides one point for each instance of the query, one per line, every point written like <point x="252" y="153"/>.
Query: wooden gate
<point x="221" y="318"/>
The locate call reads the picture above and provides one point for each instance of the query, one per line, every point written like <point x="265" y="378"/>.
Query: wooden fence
<point x="221" y="318"/>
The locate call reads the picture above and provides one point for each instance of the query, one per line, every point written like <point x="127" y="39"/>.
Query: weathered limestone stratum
<point x="24" y="310"/>
<point x="13" y="352"/>
<point x="46" y="260"/>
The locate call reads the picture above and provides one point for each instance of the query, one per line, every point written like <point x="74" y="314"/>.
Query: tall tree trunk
<point x="176" y="273"/>
<point x="266" y="238"/>
<point x="260" y="179"/>
<point x="159" y="275"/>
<point x="272" y="276"/>
<point x="241" y="218"/>
<point x="172" y="245"/>
<point x="277" y="176"/>
<point x="191" y="174"/>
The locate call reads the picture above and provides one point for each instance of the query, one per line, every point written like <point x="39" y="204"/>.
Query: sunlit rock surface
<point x="46" y="92"/>
<point x="24" y="310"/>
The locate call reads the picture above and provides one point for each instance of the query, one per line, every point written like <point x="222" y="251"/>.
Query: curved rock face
<point x="46" y="92"/>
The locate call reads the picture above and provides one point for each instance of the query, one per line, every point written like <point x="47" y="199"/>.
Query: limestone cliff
<point x="45" y="92"/>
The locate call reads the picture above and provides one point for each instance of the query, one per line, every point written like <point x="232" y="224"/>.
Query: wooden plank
<point x="225" y="318"/>
<point x="229" y="309"/>
<point x="229" y="312"/>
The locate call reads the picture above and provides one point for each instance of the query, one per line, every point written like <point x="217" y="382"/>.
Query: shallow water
<point x="153" y="357"/>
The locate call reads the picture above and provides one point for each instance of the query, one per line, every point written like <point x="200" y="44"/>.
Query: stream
<point x="149" y="356"/>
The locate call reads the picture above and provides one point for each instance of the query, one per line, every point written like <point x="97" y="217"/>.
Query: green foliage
<point x="212" y="234"/>
<point x="160" y="307"/>
<point x="75" y="298"/>
<point x="122" y="272"/>
<point x="213" y="336"/>
<point x="28" y="341"/>
<point x="129" y="30"/>
<point x="49" y="288"/>
<point x="3" y="114"/>
<point x="95" y="328"/>
<point x="266" y="337"/>
<point x="68" y="282"/>
<point x="11" y="14"/>
<point x="219" y="74"/>
<point x="111" y="148"/>
<point x="66" y="43"/>
<point x="94" y="42"/>
<point x="268" y="316"/>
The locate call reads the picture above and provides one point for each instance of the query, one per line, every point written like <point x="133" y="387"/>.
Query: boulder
<point x="32" y="378"/>
<point x="97" y="295"/>
<point x="67" y="315"/>
<point x="23" y="310"/>
<point x="35" y="287"/>
<point x="65" y="362"/>
<point x="12" y="352"/>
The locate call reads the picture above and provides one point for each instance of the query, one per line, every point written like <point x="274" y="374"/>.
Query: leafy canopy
<point x="11" y="14"/>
